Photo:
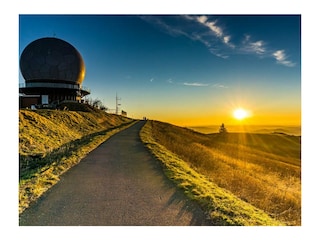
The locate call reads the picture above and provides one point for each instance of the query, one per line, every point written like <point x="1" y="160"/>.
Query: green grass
<point x="52" y="141"/>
<point x="221" y="205"/>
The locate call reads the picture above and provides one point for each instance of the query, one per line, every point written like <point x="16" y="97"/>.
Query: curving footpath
<point x="118" y="184"/>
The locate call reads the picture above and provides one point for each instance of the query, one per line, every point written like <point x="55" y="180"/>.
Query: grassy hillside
<point x="52" y="141"/>
<point x="260" y="170"/>
<point x="42" y="131"/>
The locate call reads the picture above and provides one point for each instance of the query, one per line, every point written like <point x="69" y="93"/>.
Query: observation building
<point x="53" y="71"/>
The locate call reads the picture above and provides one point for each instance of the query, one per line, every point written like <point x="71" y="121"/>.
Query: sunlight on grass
<point x="36" y="184"/>
<point x="220" y="204"/>
<point x="69" y="137"/>
<point x="261" y="169"/>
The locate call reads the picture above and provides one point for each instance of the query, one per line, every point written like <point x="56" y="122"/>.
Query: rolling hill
<point x="263" y="170"/>
<point x="238" y="178"/>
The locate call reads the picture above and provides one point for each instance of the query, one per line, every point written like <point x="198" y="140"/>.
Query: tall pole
<point x="117" y="104"/>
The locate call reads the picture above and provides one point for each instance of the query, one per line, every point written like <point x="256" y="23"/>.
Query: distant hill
<point x="290" y="130"/>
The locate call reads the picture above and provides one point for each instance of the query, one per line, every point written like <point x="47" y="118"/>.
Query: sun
<point x="240" y="113"/>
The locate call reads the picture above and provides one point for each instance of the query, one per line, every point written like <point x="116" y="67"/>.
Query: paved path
<point x="117" y="184"/>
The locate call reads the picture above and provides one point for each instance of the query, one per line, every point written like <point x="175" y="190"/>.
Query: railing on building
<point x="54" y="85"/>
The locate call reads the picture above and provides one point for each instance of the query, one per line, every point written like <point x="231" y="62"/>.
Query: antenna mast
<point x="117" y="104"/>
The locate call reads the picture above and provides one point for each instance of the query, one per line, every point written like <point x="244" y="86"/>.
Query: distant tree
<point x="96" y="103"/>
<point x="222" y="129"/>
<point x="103" y="108"/>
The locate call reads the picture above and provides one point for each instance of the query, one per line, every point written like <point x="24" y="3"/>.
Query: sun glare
<point x="240" y="113"/>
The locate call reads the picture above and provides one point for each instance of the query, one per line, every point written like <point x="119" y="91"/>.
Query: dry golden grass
<point x="42" y="131"/>
<point x="51" y="142"/>
<point x="223" y="207"/>
<point x="37" y="181"/>
<point x="261" y="169"/>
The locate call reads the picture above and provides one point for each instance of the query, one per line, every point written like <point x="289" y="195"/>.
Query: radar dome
<point x="52" y="59"/>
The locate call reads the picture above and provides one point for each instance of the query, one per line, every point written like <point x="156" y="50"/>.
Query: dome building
<point x="53" y="71"/>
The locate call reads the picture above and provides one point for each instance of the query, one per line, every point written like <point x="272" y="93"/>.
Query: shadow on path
<point x="118" y="184"/>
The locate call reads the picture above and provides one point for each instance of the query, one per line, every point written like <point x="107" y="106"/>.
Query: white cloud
<point x="226" y="39"/>
<point x="279" y="55"/>
<point x="214" y="28"/>
<point x="214" y="38"/>
<point x="198" y="84"/>
<point x="249" y="46"/>
<point x="207" y="39"/>
<point x="258" y="47"/>
<point x="211" y="25"/>
<point x="218" y="85"/>
<point x="281" y="58"/>
<point x="209" y="33"/>
<point x="195" y="84"/>
<point x="151" y="79"/>
<point x="172" y="30"/>
<point x="217" y="53"/>
<point x="202" y="19"/>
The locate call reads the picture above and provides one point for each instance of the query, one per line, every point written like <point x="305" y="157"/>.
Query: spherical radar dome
<point x="52" y="59"/>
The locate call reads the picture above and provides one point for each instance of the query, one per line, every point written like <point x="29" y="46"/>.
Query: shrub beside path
<point x="118" y="184"/>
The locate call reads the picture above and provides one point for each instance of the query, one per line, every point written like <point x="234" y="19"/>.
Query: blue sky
<point x="278" y="84"/>
<point x="185" y="69"/>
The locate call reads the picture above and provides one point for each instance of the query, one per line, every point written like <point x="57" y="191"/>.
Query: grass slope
<point x="42" y="131"/>
<point x="240" y="181"/>
<point x="52" y="141"/>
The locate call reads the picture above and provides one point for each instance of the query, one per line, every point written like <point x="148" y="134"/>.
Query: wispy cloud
<point x="151" y="79"/>
<point x="218" y="85"/>
<point x="217" y="31"/>
<point x="218" y="40"/>
<point x="260" y="48"/>
<point x="199" y="84"/>
<point x="195" y="84"/>
<point x="249" y="46"/>
<point x="281" y="58"/>
<point x="211" y="25"/>
<point x="226" y="40"/>
<point x="166" y="25"/>
<point x="196" y="28"/>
